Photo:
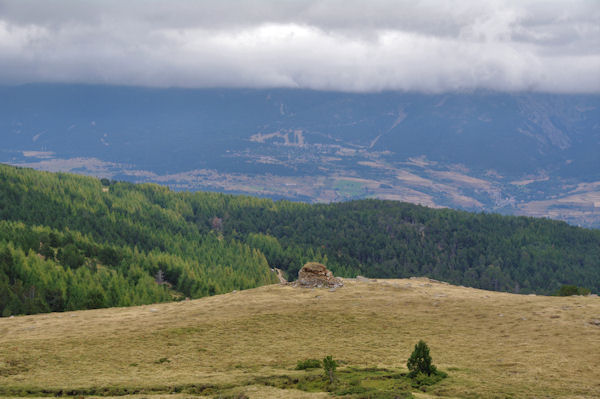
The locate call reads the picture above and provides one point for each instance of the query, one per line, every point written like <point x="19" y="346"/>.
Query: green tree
<point x="420" y="360"/>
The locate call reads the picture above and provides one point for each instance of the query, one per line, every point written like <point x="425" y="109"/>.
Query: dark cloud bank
<point x="551" y="46"/>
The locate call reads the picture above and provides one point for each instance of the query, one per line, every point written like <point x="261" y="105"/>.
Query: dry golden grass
<point x="493" y="345"/>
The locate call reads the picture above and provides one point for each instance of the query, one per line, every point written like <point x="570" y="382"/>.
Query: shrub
<point x="420" y="360"/>
<point x="308" y="364"/>
<point x="568" y="290"/>
<point x="329" y="365"/>
<point x="421" y="380"/>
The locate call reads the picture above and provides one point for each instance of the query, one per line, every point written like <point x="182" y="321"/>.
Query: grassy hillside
<point x="492" y="345"/>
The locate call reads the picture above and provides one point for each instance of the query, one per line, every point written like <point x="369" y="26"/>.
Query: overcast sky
<point x="347" y="45"/>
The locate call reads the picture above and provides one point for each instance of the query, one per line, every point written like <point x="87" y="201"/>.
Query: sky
<point x="346" y="45"/>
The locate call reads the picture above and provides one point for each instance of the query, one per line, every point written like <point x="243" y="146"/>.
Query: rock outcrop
<point x="316" y="275"/>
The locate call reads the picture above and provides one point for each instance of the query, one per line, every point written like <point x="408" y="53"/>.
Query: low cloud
<point x="344" y="45"/>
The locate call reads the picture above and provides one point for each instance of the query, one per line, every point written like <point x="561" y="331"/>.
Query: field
<point x="492" y="345"/>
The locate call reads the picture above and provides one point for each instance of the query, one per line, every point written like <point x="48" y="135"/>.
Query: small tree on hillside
<point x="420" y="360"/>
<point x="329" y="365"/>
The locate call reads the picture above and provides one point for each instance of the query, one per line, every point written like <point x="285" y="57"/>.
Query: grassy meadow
<point x="492" y="345"/>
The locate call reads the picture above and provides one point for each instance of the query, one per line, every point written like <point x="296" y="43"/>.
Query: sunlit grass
<point x="492" y="345"/>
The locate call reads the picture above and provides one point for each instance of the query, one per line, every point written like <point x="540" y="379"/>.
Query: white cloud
<point x="331" y="44"/>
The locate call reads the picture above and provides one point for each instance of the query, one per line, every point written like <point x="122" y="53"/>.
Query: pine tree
<point x="420" y="360"/>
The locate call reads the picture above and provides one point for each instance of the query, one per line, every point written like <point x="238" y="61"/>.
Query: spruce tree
<point x="420" y="360"/>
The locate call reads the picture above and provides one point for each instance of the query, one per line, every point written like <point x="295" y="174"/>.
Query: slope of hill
<point x="71" y="242"/>
<point x="492" y="345"/>
<point x="67" y="242"/>
<point x="520" y="153"/>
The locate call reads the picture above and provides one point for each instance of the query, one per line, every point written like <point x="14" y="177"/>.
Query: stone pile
<point x="316" y="275"/>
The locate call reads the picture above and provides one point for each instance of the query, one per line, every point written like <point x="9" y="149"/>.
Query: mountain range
<point x="512" y="153"/>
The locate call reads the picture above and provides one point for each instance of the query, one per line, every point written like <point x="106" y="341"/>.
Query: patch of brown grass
<point x="491" y="344"/>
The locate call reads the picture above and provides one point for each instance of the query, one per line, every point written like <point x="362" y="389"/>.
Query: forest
<point x="71" y="242"/>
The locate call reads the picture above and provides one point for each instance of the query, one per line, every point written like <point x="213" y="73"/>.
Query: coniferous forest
<point x="71" y="242"/>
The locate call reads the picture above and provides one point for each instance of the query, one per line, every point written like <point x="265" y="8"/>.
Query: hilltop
<point x="492" y="345"/>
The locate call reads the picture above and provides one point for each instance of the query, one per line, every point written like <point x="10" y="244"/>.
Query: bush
<point x="568" y="290"/>
<point x="329" y="365"/>
<point x="420" y="360"/>
<point x="308" y="364"/>
<point x="420" y="380"/>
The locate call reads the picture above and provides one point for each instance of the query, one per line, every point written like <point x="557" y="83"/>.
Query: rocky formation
<point x="316" y="275"/>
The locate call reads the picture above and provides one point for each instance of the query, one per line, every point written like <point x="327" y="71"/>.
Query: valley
<point x="299" y="199"/>
<point x="347" y="173"/>
<point x="521" y="154"/>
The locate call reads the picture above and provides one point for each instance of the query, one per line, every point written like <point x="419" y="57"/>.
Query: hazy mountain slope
<point x="523" y="153"/>
<point x="492" y="344"/>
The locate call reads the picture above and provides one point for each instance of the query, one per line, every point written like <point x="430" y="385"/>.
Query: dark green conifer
<point x="420" y="360"/>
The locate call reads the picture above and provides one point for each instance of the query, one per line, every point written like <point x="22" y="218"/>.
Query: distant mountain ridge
<point x="518" y="153"/>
